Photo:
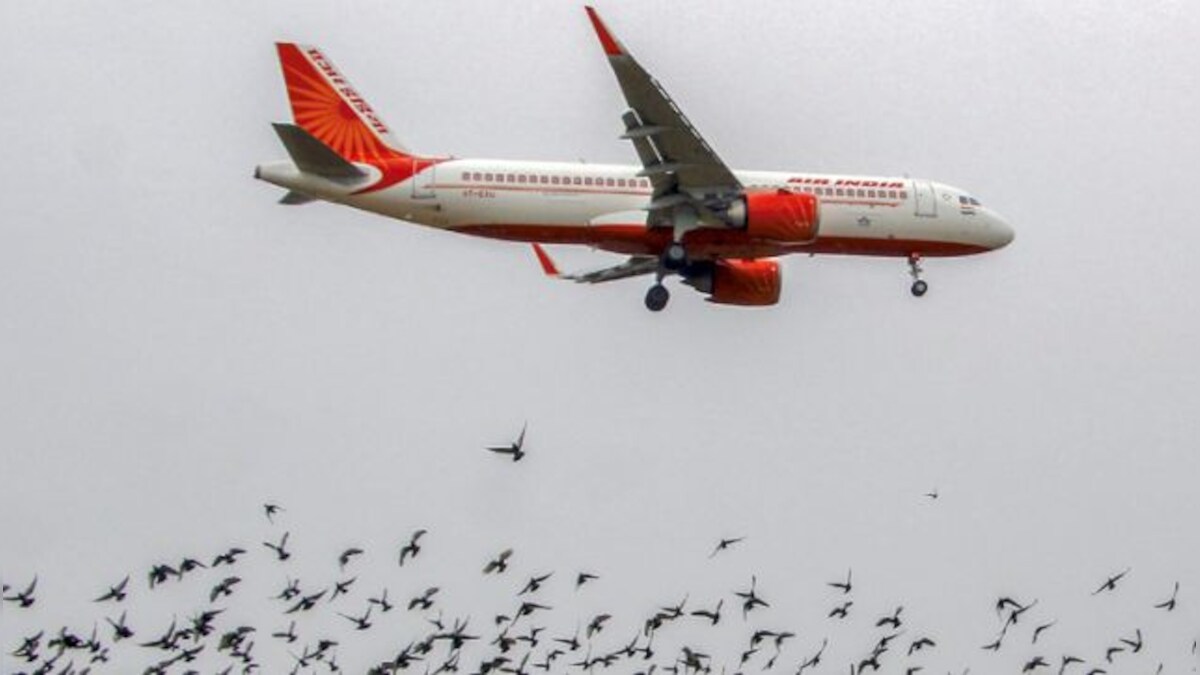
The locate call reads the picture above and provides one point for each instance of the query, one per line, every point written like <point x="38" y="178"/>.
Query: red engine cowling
<point x="780" y="216"/>
<point x="746" y="282"/>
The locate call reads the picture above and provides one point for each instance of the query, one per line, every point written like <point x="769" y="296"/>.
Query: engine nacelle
<point x="780" y="216"/>
<point x="738" y="282"/>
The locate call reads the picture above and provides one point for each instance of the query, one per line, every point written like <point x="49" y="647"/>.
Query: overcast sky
<point x="176" y="348"/>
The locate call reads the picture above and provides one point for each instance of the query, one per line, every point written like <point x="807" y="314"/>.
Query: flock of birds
<point x="519" y="638"/>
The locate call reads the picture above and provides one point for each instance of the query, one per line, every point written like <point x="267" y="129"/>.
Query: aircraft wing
<point x="692" y="185"/>
<point x="635" y="266"/>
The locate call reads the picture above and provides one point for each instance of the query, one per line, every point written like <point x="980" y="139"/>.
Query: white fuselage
<point x="582" y="203"/>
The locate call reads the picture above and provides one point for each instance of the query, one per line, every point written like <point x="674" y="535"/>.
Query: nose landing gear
<point x="919" y="287"/>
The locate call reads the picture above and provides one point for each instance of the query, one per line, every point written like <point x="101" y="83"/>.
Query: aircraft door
<point x="925" y="199"/>
<point x="424" y="179"/>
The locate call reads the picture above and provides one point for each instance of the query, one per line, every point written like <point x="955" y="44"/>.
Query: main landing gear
<point x="673" y="261"/>
<point x="675" y="256"/>
<point x="657" y="297"/>
<point x="919" y="287"/>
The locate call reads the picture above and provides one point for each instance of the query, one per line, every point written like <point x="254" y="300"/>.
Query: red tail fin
<point x="325" y="105"/>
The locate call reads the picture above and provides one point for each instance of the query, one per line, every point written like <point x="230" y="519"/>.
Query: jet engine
<point x="781" y="216"/>
<point x="737" y="282"/>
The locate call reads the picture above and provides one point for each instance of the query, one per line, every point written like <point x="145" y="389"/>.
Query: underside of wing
<point x="692" y="185"/>
<point x="635" y="266"/>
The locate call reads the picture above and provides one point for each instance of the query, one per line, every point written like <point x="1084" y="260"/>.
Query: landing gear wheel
<point x="919" y="288"/>
<point x="657" y="297"/>
<point x="675" y="257"/>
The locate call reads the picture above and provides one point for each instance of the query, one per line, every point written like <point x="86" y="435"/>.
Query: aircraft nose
<point x="1002" y="234"/>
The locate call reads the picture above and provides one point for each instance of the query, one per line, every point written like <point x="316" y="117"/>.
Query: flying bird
<point x="498" y="564"/>
<point x="584" y="577"/>
<point x="724" y="544"/>
<point x="535" y="583"/>
<point x="1111" y="583"/>
<point x="270" y="510"/>
<point x="24" y="598"/>
<point x="425" y="600"/>
<point x="224" y="588"/>
<point x="1169" y="604"/>
<point x="413" y="547"/>
<point x="341" y="588"/>
<point x="714" y="616"/>
<point x="115" y="593"/>
<point x="750" y="599"/>
<point x="920" y="644"/>
<point x="1038" y="631"/>
<point x="893" y="620"/>
<point x="360" y="622"/>
<point x="228" y="558"/>
<point x="844" y="586"/>
<point x="841" y="611"/>
<point x="348" y="555"/>
<point x="1034" y="663"/>
<point x="121" y="630"/>
<point x="516" y="449"/>
<point x="280" y="549"/>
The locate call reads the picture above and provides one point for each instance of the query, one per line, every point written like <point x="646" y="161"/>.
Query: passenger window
<point x="871" y="194"/>
<point x="466" y="175"/>
<point x="488" y="177"/>
<point x="587" y="181"/>
<point x="545" y="180"/>
<point x="578" y="180"/>
<point x="841" y="192"/>
<point x="554" y="180"/>
<point x="903" y="194"/>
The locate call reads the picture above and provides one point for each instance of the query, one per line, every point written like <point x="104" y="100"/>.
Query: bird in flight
<point x="933" y="494"/>
<point x="535" y="583"/>
<point x="270" y="510"/>
<point x="1038" y="631"/>
<point x="24" y="598"/>
<point x="498" y="564"/>
<point x="724" y="544"/>
<point x="843" y="586"/>
<point x="115" y="593"/>
<point x="1111" y="583"/>
<point x="584" y="577"/>
<point x="841" y="611"/>
<point x="516" y="448"/>
<point x="714" y="616"/>
<point x="1169" y="604"/>
<point x="280" y="548"/>
<point x="413" y="547"/>
<point x="347" y="555"/>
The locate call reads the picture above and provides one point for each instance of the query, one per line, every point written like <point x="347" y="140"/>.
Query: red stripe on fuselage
<point x="711" y="242"/>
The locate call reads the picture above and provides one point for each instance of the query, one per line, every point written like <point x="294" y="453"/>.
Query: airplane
<point x="680" y="211"/>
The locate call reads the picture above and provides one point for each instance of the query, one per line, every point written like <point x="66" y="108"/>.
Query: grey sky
<point x="176" y="348"/>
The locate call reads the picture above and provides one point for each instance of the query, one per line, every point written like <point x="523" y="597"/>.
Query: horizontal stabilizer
<point x="293" y="198"/>
<point x="313" y="156"/>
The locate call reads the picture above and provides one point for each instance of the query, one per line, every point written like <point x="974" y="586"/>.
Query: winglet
<point x="548" y="265"/>
<point x="607" y="41"/>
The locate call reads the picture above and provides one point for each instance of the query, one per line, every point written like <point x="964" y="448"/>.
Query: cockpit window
<point x="971" y="201"/>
